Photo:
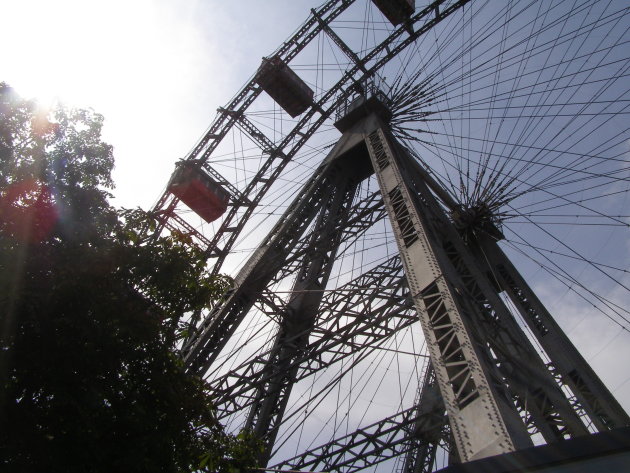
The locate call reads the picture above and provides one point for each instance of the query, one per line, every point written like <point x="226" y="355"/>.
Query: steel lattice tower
<point x="493" y="386"/>
<point x="501" y="374"/>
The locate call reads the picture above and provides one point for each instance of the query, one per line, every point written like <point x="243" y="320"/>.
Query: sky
<point x="158" y="69"/>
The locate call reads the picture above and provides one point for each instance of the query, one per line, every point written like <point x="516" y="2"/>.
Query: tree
<point x="91" y="312"/>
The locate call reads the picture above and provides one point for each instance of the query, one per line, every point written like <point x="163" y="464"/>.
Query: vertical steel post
<point x="482" y="418"/>
<point x="338" y="186"/>
<point x="566" y="362"/>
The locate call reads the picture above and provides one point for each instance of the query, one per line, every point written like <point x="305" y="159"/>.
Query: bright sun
<point x="120" y="58"/>
<point x="83" y="53"/>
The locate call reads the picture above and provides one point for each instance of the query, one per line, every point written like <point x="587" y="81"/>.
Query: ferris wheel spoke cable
<point x="566" y="104"/>
<point x="573" y="251"/>
<point x="575" y="116"/>
<point x="538" y="82"/>
<point x="528" y="87"/>
<point x="574" y="171"/>
<point x="611" y="144"/>
<point x="468" y="49"/>
<point x="406" y="86"/>
<point x="554" y="196"/>
<point x="578" y="258"/>
<point x="481" y="170"/>
<point x="586" y="83"/>
<point x="516" y="79"/>
<point x="571" y="283"/>
<point x="542" y="154"/>
<point x="538" y="163"/>
<point x="478" y="102"/>
<point x="444" y="42"/>
<point x="251" y="335"/>
<point x="579" y="201"/>
<point x="321" y="395"/>
<point x="579" y="205"/>
<point x="530" y="125"/>
<point x="352" y="400"/>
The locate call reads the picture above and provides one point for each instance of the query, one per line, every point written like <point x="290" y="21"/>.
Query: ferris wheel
<point x="514" y="113"/>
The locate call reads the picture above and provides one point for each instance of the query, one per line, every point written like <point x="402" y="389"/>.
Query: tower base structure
<point x="607" y="452"/>
<point x="488" y="390"/>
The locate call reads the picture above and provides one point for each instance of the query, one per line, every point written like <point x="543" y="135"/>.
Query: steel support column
<point x="483" y="419"/>
<point x="488" y="377"/>
<point x="567" y="363"/>
<point x="299" y="318"/>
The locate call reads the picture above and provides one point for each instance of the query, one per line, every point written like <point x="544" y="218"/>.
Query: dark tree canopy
<point x="90" y="313"/>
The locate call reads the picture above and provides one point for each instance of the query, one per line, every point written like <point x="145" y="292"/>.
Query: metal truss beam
<point x="175" y="223"/>
<point x="483" y="420"/>
<point x="363" y="215"/>
<point x="417" y="429"/>
<point x="423" y="445"/>
<point x="338" y="41"/>
<point x="513" y="368"/>
<point x="361" y="449"/>
<point x="212" y="335"/>
<point x="267" y="146"/>
<point x="567" y="364"/>
<point x="541" y="403"/>
<point x="270" y="400"/>
<point x="238" y="198"/>
<point x="360" y="315"/>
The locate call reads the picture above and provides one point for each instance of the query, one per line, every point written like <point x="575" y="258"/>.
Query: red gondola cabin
<point x="199" y="191"/>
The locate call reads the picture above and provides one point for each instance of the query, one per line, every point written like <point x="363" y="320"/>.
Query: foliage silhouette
<point x="90" y="379"/>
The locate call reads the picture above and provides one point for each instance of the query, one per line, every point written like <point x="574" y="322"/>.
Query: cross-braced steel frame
<point x="488" y="389"/>
<point x="498" y="372"/>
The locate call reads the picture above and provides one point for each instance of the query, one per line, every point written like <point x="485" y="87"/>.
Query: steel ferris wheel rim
<point x="590" y="165"/>
<point x="234" y="114"/>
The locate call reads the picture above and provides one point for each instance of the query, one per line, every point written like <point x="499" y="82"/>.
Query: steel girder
<point x="363" y="215"/>
<point x="271" y="257"/>
<point x="373" y="307"/>
<point x="415" y="432"/>
<point x="244" y="203"/>
<point x="541" y="404"/>
<point x="591" y="397"/>
<point x="482" y="419"/>
<point x="483" y="361"/>
<point x="503" y="351"/>
<point x="427" y="435"/>
<point x="297" y="321"/>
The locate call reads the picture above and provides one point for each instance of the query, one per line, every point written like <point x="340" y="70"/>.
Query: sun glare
<point x="133" y="62"/>
<point x="82" y="53"/>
